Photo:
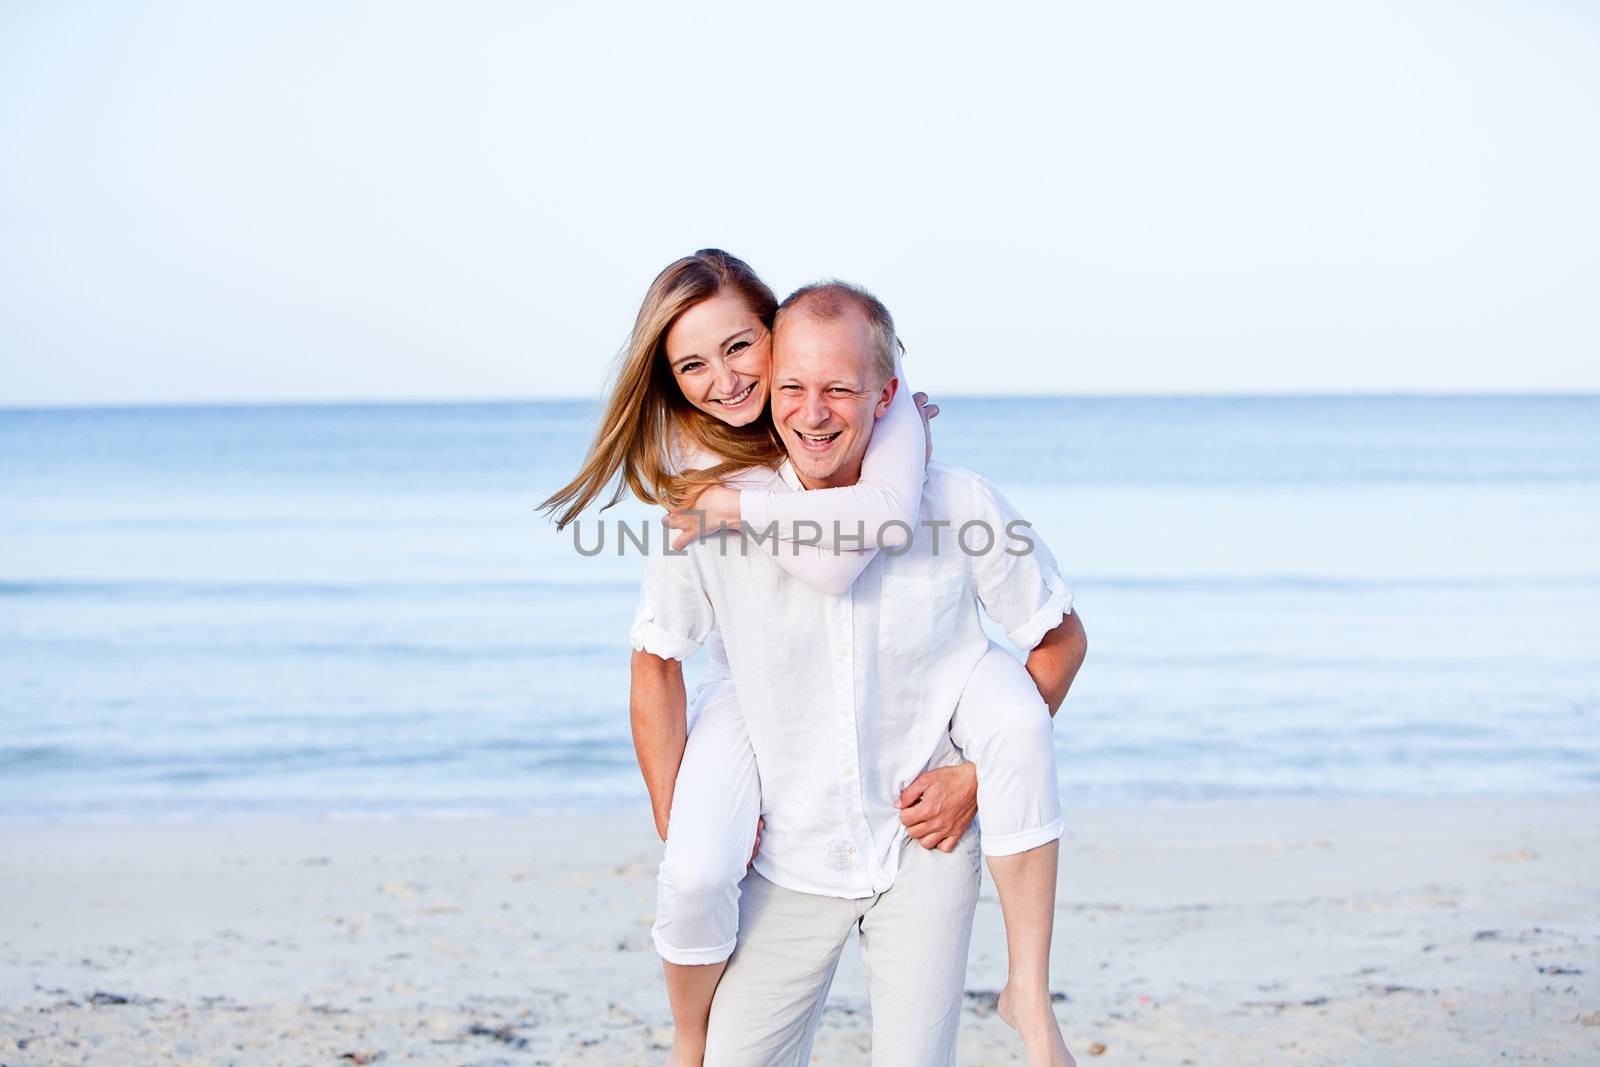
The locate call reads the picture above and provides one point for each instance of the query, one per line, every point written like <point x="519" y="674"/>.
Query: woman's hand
<point x="714" y="509"/>
<point x="927" y="411"/>
<point x="938" y="807"/>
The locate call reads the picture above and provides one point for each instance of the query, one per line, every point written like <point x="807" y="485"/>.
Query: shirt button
<point x="844" y="711"/>
<point x="844" y="652"/>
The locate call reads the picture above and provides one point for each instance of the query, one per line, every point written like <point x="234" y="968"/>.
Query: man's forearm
<point x="658" y="709"/>
<point x="1055" y="660"/>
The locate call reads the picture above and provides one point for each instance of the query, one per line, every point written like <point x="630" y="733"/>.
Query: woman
<point x="686" y="427"/>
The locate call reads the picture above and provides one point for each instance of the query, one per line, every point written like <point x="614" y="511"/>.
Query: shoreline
<point x="1354" y="931"/>
<point x="620" y="810"/>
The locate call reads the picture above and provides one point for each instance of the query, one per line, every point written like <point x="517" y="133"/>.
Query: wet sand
<point x="1415" y="932"/>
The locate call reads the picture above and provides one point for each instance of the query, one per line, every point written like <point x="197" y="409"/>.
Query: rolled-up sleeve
<point x="1017" y="580"/>
<point x="674" y="615"/>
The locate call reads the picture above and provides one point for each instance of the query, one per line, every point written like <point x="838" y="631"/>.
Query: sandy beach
<point x="1439" y="932"/>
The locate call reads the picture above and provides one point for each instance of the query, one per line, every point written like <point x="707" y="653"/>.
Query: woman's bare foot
<point x="1035" y="1020"/>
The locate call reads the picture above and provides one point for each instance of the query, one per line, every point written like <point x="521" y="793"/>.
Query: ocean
<point x="355" y="610"/>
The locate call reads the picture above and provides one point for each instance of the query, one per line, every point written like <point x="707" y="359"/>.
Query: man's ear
<point x="886" y="395"/>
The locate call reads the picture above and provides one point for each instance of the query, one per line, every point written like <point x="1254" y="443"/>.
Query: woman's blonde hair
<point x="647" y="420"/>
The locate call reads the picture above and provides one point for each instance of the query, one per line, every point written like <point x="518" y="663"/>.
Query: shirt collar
<point x="790" y="478"/>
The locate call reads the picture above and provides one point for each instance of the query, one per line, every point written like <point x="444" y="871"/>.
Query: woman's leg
<point x="710" y="831"/>
<point x="1003" y="726"/>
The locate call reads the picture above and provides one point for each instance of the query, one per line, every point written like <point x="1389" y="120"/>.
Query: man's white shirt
<point x="847" y="699"/>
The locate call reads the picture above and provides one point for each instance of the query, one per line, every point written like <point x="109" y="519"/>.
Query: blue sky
<point x="215" y="203"/>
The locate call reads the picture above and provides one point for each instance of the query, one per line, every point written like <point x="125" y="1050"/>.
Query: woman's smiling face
<point x="720" y="354"/>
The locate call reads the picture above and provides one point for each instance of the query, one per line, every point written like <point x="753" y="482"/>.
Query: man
<point x="847" y="701"/>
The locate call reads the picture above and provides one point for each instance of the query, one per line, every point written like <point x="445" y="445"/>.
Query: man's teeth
<point x="819" y="438"/>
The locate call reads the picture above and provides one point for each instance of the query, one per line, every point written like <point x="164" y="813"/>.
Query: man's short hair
<point x="830" y="300"/>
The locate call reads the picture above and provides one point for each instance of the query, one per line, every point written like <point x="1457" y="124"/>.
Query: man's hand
<point x="938" y="807"/>
<point x="714" y="509"/>
<point x="761" y="824"/>
<point x="927" y="411"/>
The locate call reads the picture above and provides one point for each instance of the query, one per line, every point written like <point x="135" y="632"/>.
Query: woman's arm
<point x="658" y="707"/>
<point x="825" y="571"/>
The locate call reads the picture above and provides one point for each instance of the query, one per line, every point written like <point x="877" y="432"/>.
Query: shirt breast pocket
<point x="917" y="614"/>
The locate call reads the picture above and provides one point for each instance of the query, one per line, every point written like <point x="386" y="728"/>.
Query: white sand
<point x="1407" y="933"/>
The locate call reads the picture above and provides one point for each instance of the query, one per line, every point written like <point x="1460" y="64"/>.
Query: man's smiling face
<point x="826" y="395"/>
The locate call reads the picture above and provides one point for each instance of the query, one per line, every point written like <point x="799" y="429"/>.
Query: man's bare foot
<point x="1035" y="1020"/>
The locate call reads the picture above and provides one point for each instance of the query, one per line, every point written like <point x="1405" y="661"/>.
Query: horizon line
<point x="1352" y="394"/>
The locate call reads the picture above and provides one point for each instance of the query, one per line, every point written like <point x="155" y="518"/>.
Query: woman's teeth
<point x="740" y="398"/>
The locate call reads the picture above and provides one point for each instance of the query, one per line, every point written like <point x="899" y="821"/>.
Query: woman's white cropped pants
<point x="1001" y="725"/>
